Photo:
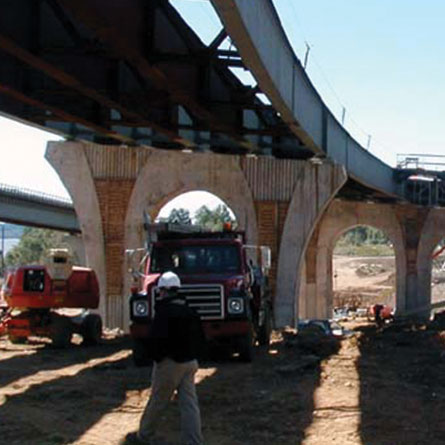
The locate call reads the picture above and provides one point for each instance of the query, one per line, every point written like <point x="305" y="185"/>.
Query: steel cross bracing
<point x="130" y="72"/>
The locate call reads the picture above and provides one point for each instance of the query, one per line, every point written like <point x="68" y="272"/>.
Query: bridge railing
<point x="422" y="178"/>
<point x="32" y="195"/>
<point x="428" y="162"/>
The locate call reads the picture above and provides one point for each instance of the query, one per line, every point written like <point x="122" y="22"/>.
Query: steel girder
<point x="130" y="72"/>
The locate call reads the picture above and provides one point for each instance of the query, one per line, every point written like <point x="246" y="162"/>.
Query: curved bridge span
<point x="267" y="52"/>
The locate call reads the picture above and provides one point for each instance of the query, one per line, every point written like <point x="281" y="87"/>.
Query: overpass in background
<point x="29" y="208"/>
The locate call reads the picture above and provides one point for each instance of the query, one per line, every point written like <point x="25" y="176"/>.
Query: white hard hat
<point x="169" y="280"/>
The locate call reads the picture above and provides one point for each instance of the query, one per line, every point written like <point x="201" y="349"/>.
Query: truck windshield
<point x="195" y="259"/>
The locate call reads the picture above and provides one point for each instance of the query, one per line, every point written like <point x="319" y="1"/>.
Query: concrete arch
<point x="315" y="188"/>
<point x="169" y="174"/>
<point x="433" y="232"/>
<point x="158" y="211"/>
<point x="340" y="217"/>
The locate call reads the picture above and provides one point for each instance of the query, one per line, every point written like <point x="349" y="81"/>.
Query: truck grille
<point x="206" y="299"/>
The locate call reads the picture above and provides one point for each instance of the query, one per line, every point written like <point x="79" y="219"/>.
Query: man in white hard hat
<point x="177" y="340"/>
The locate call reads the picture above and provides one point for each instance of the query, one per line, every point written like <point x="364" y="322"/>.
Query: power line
<point x="375" y="142"/>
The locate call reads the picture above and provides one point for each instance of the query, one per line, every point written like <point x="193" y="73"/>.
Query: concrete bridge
<point x="30" y="208"/>
<point x="290" y="205"/>
<point x="134" y="78"/>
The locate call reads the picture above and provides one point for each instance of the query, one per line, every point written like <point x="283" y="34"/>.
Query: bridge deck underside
<point x="131" y="73"/>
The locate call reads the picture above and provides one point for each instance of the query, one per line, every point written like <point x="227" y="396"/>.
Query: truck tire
<point x="61" y="332"/>
<point x="245" y="347"/>
<point x="91" y="330"/>
<point x="140" y="353"/>
<point x="265" y="330"/>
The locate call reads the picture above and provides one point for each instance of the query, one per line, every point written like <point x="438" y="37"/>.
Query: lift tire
<point x="265" y="330"/>
<point x="140" y="353"/>
<point x="61" y="332"/>
<point x="17" y="340"/>
<point x="91" y="330"/>
<point x="245" y="347"/>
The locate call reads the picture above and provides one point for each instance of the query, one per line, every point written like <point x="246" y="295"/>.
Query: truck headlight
<point x="235" y="305"/>
<point x="140" y="308"/>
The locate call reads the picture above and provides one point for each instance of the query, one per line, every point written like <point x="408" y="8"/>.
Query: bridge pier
<point x="277" y="202"/>
<point x="417" y="287"/>
<point x="314" y="190"/>
<point x="414" y="233"/>
<point x="70" y="162"/>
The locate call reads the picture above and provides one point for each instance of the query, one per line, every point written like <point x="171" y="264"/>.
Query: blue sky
<point x="382" y="60"/>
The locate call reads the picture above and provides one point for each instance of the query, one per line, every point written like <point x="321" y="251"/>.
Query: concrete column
<point x="76" y="245"/>
<point x="270" y="221"/>
<point x="417" y="289"/>
<point x="315" y="187"/>
<point x="311" y="304"/>
<point x="433" y="232"/>
<point x="70" y="162"/>
<point x="100" y="180"/>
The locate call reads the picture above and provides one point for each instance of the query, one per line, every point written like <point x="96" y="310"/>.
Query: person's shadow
<point x="267" y="401"/>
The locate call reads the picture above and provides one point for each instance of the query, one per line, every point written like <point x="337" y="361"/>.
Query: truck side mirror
<point x="266" y="258"/>
<point x="131" y="258"/>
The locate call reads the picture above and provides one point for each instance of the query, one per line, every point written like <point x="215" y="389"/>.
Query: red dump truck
<point x="35" y="298"/>
<point x="222" y="278"/>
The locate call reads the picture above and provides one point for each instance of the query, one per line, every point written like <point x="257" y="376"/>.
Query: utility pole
<point x="306" y="56"/>
<point x="369" y="142"/>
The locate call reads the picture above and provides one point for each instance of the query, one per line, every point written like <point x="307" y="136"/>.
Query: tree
<point x="33" y="245"/>
<point x="213" y="219"/>
<point x="179" y="216"/>
<point x="363" y="235"/>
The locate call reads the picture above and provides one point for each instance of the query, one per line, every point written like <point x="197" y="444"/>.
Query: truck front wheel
<point x="245" y="347"/>
<point x="140" y="353"/>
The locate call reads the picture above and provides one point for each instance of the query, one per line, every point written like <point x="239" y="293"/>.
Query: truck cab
<point x="220" y="279"/>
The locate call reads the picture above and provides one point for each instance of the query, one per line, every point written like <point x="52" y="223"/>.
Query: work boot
<point x="134" y="439"/>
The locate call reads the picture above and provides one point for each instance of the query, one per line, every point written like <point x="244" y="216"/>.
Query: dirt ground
<point x="374" y="388"/>
<point x="369" y="280"/>
<point x="377" y="387"/>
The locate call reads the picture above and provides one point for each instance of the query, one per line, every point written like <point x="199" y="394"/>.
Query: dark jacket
<point x="176" y="332"/>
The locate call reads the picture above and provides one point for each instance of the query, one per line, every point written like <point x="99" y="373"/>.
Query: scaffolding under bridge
<point x="422" y="178"/>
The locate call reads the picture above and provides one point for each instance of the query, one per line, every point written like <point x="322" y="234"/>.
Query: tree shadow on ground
<point x="402" y="378"/>
<point x="267" y="401"/>
<point x="62" y="410"/>
<point x="37" y="356"/>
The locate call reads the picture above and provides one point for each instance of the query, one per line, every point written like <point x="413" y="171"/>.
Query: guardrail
<point x="426" y="162"/>
<point x="32" y="195"/>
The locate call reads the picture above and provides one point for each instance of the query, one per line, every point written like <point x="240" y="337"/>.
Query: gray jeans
<point x="168" y="376"/>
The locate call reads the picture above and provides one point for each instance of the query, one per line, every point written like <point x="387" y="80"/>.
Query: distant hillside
<point x="12" y="231"/>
